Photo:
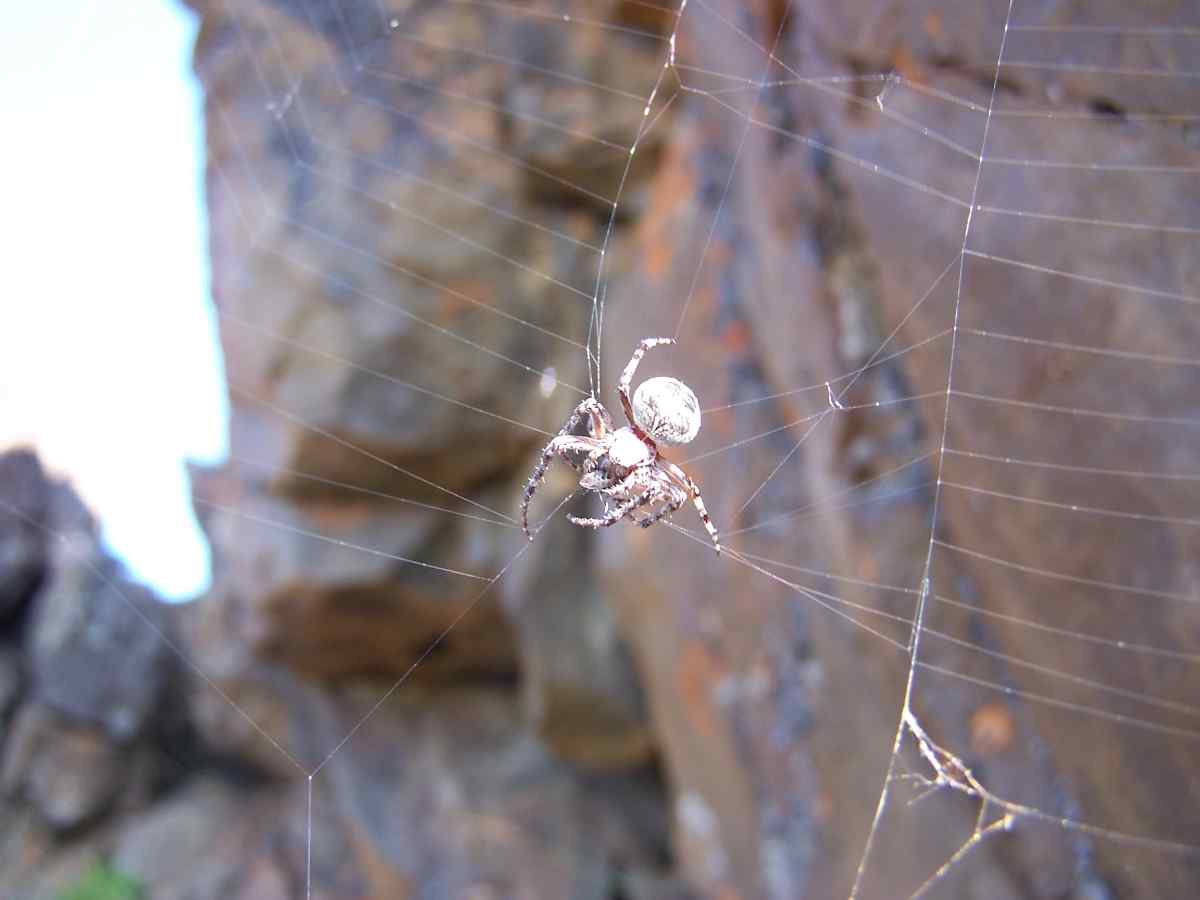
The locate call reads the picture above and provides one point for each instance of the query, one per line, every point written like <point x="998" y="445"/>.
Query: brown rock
<point x="461" y="796"/>
<point x="211" y="820"/>
<point x="453" y="795"/>
<point x="34" y="862"/>
<point x="812" y="263"/>
<point x="1067" y="69"/>
<point x="336" y="590"/>
<point x="70" y="773"/>
<point x="580" y="690"/>
<point x="360" y="315"/>
<point x="390" y="319"/>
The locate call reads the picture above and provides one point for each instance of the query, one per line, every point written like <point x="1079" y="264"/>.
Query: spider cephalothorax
<point x="624" y="465"/>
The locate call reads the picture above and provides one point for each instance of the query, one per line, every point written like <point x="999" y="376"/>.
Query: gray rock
<point x="208" y="820"/>
<point x="580" y="689"/>
<point x="70" y="773"/>
<point x="10" y="682"/>
<point x="97" y="648"/>
<point x="24" y="497"/>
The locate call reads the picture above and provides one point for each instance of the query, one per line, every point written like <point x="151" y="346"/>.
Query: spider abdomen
<point x="667" y="410"/>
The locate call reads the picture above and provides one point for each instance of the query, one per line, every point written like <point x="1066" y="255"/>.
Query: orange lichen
<point x="695" y="675"/>
<point x="673" y="186"/>
<point x="462" y="296"/>
<point x="338" y="516"/>
<point x="868" y="568"/>
<point x="992" y="729"/>
<point x="823" y="807"/>
<point x="736" y="336"/>
<point x="907" y="65"/>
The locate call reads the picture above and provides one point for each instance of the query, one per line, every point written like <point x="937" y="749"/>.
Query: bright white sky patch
<point x="108" y="357"/>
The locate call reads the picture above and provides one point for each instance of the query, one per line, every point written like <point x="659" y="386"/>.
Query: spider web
<point x="1079" y="428"/>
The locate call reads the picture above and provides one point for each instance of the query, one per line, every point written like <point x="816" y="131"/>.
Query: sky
<point x="108" y="357"/>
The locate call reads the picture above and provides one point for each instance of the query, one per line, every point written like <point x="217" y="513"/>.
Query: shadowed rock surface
<point x="622" y="714"/>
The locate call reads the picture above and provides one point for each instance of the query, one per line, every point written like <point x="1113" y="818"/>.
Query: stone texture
<point x="85" y="673"/>
<point x="623" y="714"/>
<point x="10" y="681"/>
<point x="345" y="329"/>
<point x="22" y="542"/>
<point x="400" y="271"/>
<point x="306" y="595"/>
<point x="757" y="691"/>
<point x="97" y="645"/>
<point x="1077" y="70"/>
<point x="580" y="689"/>
<point x="341" y="428"/>
<point x="209" y="819"/>
<point x="70" y="773"/>
<point x="459" y="799"/>
<point x="35" y="863"/>
<point x="754" y="690"/>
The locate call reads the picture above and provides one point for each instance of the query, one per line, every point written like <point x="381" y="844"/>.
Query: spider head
<point x="667" y="410"/>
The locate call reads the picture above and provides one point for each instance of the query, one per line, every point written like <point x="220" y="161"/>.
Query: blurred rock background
<point x="619" y="716"/>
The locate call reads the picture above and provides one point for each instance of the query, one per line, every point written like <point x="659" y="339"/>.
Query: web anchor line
<point x="908" y="722"/>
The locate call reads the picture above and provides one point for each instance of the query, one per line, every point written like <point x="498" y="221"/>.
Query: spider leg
<point x="627" y="377"/>
<point x="627" y="485"/>
<point x="678" y="498"/>
<point x="592" y="481"/>
<point x="595" y="480"/>
<point x="561" y="445"/>
<point x="634" y="484"/>
<point x="614" y="516"/>
<point x="599" y="421"/>
<point x="694" y="491"/>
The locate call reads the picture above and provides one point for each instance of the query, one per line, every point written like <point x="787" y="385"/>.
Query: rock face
<point x="390" y="693"/>
<point x="88" y="683"/>
<point x="1038" y="572"/>
<point x="22" y="545"/>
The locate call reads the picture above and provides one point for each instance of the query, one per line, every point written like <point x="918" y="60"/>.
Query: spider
<point x="624" y="465"/>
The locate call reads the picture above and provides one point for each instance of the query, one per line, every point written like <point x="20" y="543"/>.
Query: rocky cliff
<point x="386" y="694"/>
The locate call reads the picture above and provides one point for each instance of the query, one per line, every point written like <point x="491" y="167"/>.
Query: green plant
<point x="102" y="882"/>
